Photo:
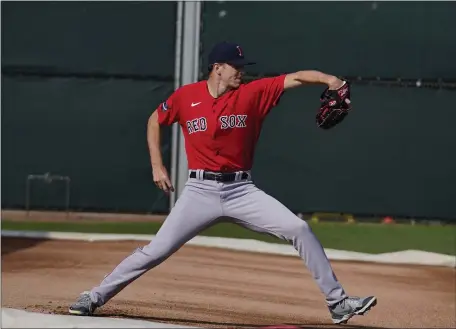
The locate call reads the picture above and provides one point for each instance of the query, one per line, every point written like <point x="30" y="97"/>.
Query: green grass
<point x="369" y="238"/>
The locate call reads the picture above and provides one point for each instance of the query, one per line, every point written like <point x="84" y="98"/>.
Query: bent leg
<point x="196" y="209"/>
<point x="260" y="212"/>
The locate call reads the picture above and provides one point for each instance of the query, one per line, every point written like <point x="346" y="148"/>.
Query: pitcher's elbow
<point x="153" y="120"/>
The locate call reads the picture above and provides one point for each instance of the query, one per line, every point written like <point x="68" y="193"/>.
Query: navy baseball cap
<point x="230" y="53"/>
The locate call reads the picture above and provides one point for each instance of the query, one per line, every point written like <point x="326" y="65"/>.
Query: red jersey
<point x="221" y="133"/>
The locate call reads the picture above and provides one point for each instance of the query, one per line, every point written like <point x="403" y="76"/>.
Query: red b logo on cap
<point x="239" y="50"/>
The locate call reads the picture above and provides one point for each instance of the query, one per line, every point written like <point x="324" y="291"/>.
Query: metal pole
<point x="190" y="69"/>
<point x="177" y="83"/>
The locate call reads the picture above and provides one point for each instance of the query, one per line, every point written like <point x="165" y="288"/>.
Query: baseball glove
<point x="334" y="106"/>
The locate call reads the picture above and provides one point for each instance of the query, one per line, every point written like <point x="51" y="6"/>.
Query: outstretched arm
<point x="302" y="78"/>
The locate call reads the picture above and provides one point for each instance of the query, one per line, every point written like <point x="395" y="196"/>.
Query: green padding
<point x="115" y="37"/>
<point x="374" y="38"/>
<point x="93" y="131"/>
<point x="394" y="154"/>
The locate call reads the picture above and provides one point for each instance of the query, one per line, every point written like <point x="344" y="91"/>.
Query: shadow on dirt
<point x="11" y="245"/>
<point x="191" y="322"/>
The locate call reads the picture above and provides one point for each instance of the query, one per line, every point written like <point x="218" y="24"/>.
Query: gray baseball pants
<point x="199" y="206"/>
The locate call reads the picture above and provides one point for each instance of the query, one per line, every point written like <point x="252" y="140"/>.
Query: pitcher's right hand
<point x="161" y="179"/>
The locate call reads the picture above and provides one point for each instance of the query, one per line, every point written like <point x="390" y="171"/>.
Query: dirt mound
<point x="221" y="289"/>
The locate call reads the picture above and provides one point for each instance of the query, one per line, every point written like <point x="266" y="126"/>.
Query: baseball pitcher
<point x="221" y="119"/>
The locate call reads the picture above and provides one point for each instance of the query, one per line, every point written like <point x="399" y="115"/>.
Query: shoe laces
<point x="84" y="298"/>
<point x="352" y="302"/>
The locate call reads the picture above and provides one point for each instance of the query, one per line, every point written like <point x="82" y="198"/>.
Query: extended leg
<point x="196" y="209"/>
<point x="258" y="211"/>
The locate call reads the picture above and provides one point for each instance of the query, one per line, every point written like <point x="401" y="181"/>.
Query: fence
<point x="76" y="100"/>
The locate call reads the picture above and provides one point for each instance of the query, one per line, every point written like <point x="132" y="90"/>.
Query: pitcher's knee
<point x="301" y="228"/>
